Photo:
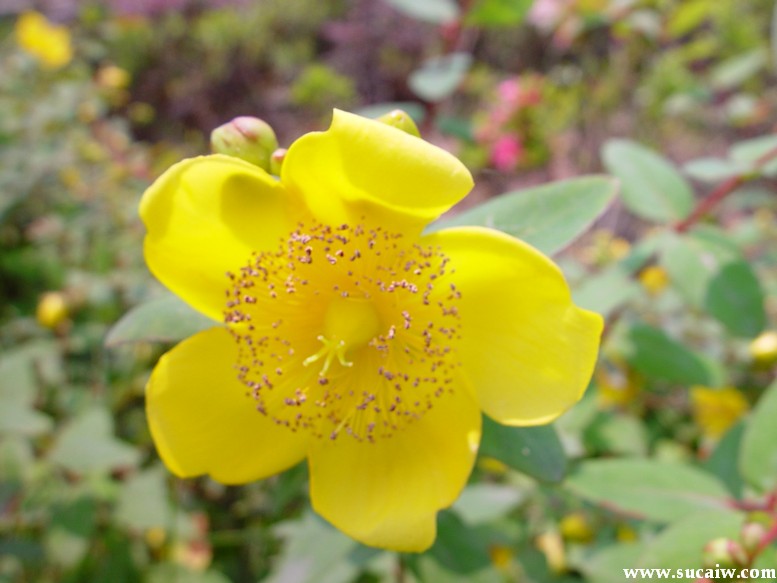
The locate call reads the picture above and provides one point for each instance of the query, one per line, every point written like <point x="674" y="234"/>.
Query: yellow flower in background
<point x="47" y="42"/>
<point x="654" y="279"/>
<point x="763" y="349"/>
<point x="52" y="310"/>
<point x="576" y="527"/>
<point x="346" y="336"/>
<point x="617" y="385"/>
<point x="716" y="410"/>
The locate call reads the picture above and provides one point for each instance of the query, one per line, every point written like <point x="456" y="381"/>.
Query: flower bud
<point x="276" y="161"/>
<point x="725" y="553"/>
<point x="402" y="121"/>
<point x="575" y="527"/>
<point x="51" y="310"/>
<point x="752" y="535"/>
<point x="763" y="350"/>
<point x="248" y="138"/>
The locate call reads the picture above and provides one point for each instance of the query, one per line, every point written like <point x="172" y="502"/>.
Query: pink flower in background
<point x="546" y="14"/>
<point x="509" y="91"/>
<point x="506" y="152"/>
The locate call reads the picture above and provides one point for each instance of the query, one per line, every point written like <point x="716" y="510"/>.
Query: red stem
<point x="722" y="191"/>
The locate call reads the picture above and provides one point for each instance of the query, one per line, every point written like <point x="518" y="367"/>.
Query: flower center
<point x="345" y="330"/>
<point x="349" y="323"/>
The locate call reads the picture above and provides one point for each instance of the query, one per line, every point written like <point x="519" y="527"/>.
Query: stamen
<point x="383" y="309"/>
<point x="331" y="349"/>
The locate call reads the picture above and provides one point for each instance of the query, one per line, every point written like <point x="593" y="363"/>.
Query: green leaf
<point x="656" y="355"/>
<point x="481" y="503"/>
<point x="457" y="546"/>
<point x="649" y="489"/>
<point x="166" y="319"/>
<point x="748" y="152"/>
<point x="758" y="456"/>
<point x="143" y="502"/>
<point x="535" y="451"/>
<point x="434" y="11"/>
<point x="617" y="433"/>
<point x="439" y="77"/>
<point x="72" y="525"/>
<point x="607" y="291"/>
<point x="87" y="444"/>
<point x="317" y="553"/>
<point x="724" y="460"/>
<point x="691" y="263"/>
<point x="549" y="217"/>
<point x="606" y="565"/>
<point x="413" y="109"/>
<point x="713" y="169"/>
<point x="651" y="186"/>
<point x="735" y="298"/>
<point x="498" y="12"/>
<point x="23" y="420"/>
<point x="173" y="572"/>
<point x="681" y="545"/>
<point x="734" y="71"/>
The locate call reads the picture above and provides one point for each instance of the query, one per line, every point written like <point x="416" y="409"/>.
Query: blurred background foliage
<point x="671" y="451"/>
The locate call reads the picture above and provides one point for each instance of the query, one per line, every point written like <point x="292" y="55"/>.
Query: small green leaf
<point x="724" y="460"/>
<point x="434" y="11"/>
<point x="457" y="546"/>
<point x="23" y="420"/>
<point x="317" y="553"/>
<point x="166" y="319"/>
<point x="606" y="565"/>
<point x="172" y="572"/>
<point x="617" y="433"/>
<point x="758" y="456"/>
<point x="439" y="77"/>
<point x="548" y="217"/>
<point x="681" y="544"/>
<point x="87" y="444"/>
<point x="713" y="169"/>
<point x="72" y="525"/>
<point x="649" y="489"/>
<point x="143" y="502"/>
<point x="734" y="71"/>
<point x="748" y="152"/>
<point x="607" y="291"/>
<point x="651" y="186"/>
<point x="498" y="12"/>
<point x="656" y="355"/>
<point x="413" y="109"/>
<point x="481" y="503"/>
<point x="535" y="451"/>
<point x="735" y="298"/>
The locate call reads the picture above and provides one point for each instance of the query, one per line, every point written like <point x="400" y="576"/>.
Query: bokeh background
<point x="98" y="98"/>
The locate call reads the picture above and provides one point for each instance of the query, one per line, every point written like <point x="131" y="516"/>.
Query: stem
<point x="722" y="191"/>
<point x="769" y="538"/>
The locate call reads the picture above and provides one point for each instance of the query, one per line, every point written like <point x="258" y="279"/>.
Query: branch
<point x="722" y="191"/>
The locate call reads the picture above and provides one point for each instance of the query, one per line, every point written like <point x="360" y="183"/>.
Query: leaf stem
<point x="706" y="204"/>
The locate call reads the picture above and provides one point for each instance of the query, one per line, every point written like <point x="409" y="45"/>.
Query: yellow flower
<point x="344" y="335"/>
<point x="48" y="43"/>
<point x="52" y="310"/>
<point x="576" y="527"/>
<point x="763" y="350"/>
<point x="715" y="410"/>
<point x="654" y="279"/>
<point x="617" y="385"/>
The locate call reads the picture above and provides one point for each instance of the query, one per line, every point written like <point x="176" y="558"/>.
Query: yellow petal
<point x="364" y="168"/>
<point x="387" y="494"/>
<point x="204" y="421"/>
<point x="204" y="217"/>
<point x="527" y="350"/>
